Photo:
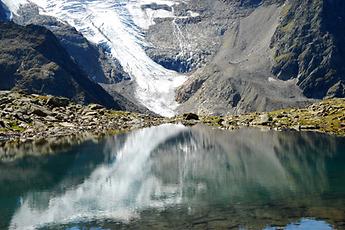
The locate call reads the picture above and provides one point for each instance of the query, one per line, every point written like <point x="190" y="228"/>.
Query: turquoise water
<point x="174" y="177"/>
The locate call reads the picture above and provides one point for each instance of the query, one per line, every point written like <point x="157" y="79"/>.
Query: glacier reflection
<point x="161" y="167"/>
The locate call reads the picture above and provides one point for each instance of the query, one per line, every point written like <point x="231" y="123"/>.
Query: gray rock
<point x="39" y="112"/>
<point x="67" y="125"/>
<point x="58" y="102"/>
<point x="91" y="113"/>
<point x="265" y="119"/>
<point x="51" y="119"/>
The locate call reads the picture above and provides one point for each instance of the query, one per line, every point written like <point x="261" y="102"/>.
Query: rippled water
<point x="176" y="177"/>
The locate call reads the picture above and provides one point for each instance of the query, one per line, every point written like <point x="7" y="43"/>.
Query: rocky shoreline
<point x="327" y="116"/>
<point x="53" y="122"/>
<point x="30" y="123"/>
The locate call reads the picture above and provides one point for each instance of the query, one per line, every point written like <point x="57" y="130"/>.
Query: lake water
<point x="175" y="177"/>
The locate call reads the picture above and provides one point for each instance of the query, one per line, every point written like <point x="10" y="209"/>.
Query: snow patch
<point x="193" y="14"/>
<point x="144" y="17"/>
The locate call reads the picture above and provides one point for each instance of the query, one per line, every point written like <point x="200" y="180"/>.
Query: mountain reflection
<point x="194" y="169"/>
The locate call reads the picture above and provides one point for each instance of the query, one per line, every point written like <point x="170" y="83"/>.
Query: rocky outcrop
<point x="269" y="54"/>
<point x="32" y="60"/>
<point x="309" y="45"/>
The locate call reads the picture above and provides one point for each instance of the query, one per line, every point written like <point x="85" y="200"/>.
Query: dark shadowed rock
<point x="40" y="112"/>
<point x="4" y="13"/>
<point x="190" y="116"/>
<point x="309" y="46"/>
<point x="57" y="102"/>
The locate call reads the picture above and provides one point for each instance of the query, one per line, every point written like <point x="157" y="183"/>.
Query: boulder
<point x="58" y="102"/>
<point x="2" y="124"/>
<point x="264" y="119"/>
<point x="190" y="116"/>
<point x="39" y="111"/>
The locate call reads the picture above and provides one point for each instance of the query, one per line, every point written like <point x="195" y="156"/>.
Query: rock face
<point x="32" y="60"/>
<point x="309" y="47"/>
<point x="272" y="54"/>
<point x="188" y="42"/>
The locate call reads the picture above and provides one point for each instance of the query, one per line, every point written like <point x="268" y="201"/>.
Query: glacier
<point x="119" y="26"/>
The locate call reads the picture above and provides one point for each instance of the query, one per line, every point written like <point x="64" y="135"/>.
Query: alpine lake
<point x="177" y="177"/>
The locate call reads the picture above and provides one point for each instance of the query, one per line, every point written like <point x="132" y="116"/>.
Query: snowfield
<point x="119" y="26"/>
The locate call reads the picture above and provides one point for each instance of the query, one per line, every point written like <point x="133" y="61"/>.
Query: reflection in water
<point x="173" y="176"/>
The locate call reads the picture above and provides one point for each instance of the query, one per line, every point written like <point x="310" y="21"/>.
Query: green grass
<point x="212" y="120"/>
<point x="15" y="127"/>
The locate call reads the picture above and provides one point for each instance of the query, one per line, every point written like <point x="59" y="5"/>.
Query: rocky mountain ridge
<point x="239" y="55"/>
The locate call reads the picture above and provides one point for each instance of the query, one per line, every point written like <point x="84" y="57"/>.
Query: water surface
<point x="176" y="177"/>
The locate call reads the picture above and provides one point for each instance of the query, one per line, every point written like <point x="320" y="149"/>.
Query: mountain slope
<point x="93" y="60"/>
<point x="274" y="54"/>
<point x="115" y="25"/>
<point x="32" y="59"/>
<point x="240" y="55"/>
<point x="309" y="45"/>
<point x="239" y="79"/>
